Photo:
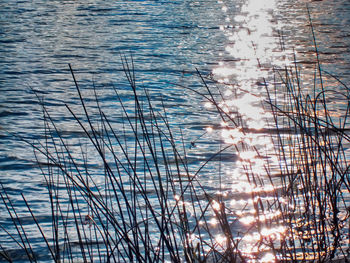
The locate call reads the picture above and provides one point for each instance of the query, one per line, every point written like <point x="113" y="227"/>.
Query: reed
<point x="143" y="205"/>
<point x="312" y="150"/>
<point x="314" y="161"/>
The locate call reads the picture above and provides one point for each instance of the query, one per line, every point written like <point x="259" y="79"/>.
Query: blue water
<point x="167" y="40"/>
<point x="40" y="38"/>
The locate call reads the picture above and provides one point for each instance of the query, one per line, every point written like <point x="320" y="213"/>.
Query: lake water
<point x="236" y="42"/>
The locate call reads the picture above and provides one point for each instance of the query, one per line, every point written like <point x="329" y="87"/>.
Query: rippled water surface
<point x="236" y="42"/>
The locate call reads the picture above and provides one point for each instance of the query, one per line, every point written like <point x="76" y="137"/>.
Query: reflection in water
<point x="255" y="49"/>
<point x="253" y="46"/>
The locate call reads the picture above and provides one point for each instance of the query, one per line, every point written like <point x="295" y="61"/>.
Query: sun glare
<point x="254" y="50"/>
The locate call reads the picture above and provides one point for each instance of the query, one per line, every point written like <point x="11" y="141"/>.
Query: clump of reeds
<point x="312" y="142"/>
<point x="141" y="204"/>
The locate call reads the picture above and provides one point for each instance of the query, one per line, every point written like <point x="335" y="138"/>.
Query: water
<point x="167" y="40"/>
<point x="40" y="39"/>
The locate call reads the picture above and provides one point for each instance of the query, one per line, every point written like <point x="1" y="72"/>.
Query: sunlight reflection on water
<point x="255" y="48"/>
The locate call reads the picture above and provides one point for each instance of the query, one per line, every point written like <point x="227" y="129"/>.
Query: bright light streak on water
<point x="256" y="45"/>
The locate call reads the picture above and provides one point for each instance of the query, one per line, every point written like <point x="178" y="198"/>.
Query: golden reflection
<point x="221" y="240"/>
<point x="208" y="105"/>
<point x="191" y="237"/>
<point x="209" y="129"/>
<point x="232" y="136"/>
<point x="254" y="48"/>
<point x="247" y="155"/>
<point x="224" y="124"/>
<point x="256" y="6"/>
<point x="224" y="8"/>
<point x="240" y="203"/>
<point x="269" y="257"/>
<point x="223" y="71"/>
<point x="274" y="233"/>
<point x="252" y="51"/>
<point x="242" y="187"/>
<point x="228" y="93"/>
<point x="255" y="250"/>
<point x="215" y="205"/>
<point x="247" y="220"/>
<point x="213" y="221"/>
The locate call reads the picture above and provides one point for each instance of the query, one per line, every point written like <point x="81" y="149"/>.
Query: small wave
<point x="12" y="113"/>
